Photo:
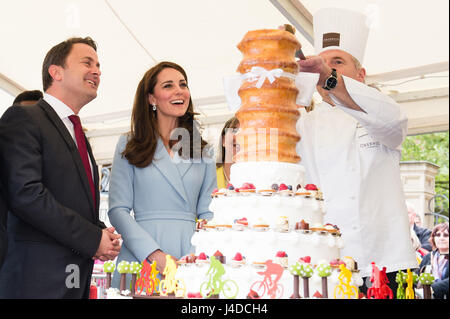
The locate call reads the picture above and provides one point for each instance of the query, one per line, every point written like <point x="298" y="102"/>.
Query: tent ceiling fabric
<point x="407" y="48"/>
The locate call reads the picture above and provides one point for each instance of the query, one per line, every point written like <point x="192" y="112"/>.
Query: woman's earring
<point x="154" y="107"/>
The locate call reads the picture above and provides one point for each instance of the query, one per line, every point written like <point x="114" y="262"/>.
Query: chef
<point x="350" y="147"/>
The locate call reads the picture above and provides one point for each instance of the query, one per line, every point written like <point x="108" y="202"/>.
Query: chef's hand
<point x="315" y="64"/>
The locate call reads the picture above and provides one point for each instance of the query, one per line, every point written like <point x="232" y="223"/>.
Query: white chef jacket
<point x="354" y="158"/>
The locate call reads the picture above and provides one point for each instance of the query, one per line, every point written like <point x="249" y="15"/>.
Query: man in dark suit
<point x="51" y="183"/>
<point x="24" y="98"/>
<point x="28" y="97"/>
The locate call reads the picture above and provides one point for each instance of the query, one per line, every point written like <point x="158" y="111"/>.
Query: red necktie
<point x="79" y="136"/>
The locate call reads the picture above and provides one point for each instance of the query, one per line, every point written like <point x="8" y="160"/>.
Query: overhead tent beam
<point x="420" y="95"/>
<point x="407" y="73"/>
<point x="298" y="16"/>
<point x="10" y="86"/>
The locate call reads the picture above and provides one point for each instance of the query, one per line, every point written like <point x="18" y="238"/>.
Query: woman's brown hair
<point x="442" y="227"/>
<point x="144" y="133"/>
<point x="232" y="123"/>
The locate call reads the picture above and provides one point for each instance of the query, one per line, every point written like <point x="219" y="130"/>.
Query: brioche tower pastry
<point x="268" y="114"/>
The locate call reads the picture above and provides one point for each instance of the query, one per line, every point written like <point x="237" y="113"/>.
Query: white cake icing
<point x="254" y="206"/>
<point x="264" y="174"/>
<point x="259" y="246"/>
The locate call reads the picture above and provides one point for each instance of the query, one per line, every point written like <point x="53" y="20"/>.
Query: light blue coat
<point x="166" y="197"/>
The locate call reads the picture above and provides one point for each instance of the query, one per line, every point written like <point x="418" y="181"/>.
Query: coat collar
<point x="173" y="169"/>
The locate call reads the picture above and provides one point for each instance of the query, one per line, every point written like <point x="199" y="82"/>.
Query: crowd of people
<point x="163" y="172"/>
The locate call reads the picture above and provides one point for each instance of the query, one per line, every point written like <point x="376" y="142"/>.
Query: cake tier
<point x="264" y="174"/>
<point x="246" y="276"/>
<point x="259" y="246"/>
<point x="268" y="117"/>
<point x="270" y="209"/>
<point x="270" y="49"/>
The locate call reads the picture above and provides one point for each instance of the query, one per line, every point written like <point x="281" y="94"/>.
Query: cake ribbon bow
<point x="305" y="82"/>
<point x="262" y="74"/>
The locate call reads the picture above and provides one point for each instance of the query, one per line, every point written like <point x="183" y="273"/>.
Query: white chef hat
<point x="340" y="29"/>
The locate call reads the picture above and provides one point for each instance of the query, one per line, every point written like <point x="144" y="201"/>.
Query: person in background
<point x="50" y="180"/>
<point x="436" y="262"/>
<point x="423" y="234"/>
<point x="350" y="148"/>
<point x="418" y="220"/>
<point x="28" y="98"/>
<point x="165" y="180"/>
<point x="228" y="148"/>
<point x="24" y="98"/>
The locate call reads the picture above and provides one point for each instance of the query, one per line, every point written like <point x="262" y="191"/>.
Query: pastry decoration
<point x="409" y="291"/>
<point x="324" y="271"/>
<point x="269" y="284"/>
<point x="147" y="283"/>
<point x="214" y="285"/>
<point x="171" y="285"/>
<point x="379" y="288"/>
<point x="108" y="268"/>
<point x="295" y="269"/>
<point x="306" y="272"/>
<point x="345" y="290"/>
<point x="426" y="279"/>
<point x="123" y="268"/>
<point x="282" y="224"/>
<point x="238" y="260"/>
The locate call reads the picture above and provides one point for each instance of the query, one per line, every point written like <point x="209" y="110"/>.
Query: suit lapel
<point x="62" y="129"/>
<point x="96" y="177"/>
<point x="163" y="162"/>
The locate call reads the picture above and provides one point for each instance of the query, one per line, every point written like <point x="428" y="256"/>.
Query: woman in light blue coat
<point x="162" y="172"/>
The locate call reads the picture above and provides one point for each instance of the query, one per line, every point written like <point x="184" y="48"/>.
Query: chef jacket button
<point x="352" y="197"/>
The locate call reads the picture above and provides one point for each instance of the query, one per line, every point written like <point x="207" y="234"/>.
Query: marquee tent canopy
<point x="406" y="55"/>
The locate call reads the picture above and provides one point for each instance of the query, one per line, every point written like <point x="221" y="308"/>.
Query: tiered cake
<point x="266" y="212"/>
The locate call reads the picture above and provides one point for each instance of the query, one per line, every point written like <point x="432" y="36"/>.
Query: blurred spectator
<point x="418" y="220"/>
<point x="228" y="148"/>
<point x="436" y="262"/>
<point x="28" y="98"/>
<point x="422" y="233"/>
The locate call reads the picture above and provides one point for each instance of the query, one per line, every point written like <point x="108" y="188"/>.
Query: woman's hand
<point x="159" y="257"/>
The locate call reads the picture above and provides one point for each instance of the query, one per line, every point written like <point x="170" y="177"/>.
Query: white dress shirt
<point x="64" y="112"/>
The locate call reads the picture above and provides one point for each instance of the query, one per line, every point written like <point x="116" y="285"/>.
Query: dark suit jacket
<point x="53" y="227"/>
<point x="424" y="236"/>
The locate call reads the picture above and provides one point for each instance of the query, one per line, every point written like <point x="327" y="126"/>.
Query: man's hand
<point x="109" y="246"/>
<point x="315" y="64"/>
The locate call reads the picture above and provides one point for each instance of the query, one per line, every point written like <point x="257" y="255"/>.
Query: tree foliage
<point x="432" y="148"/>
